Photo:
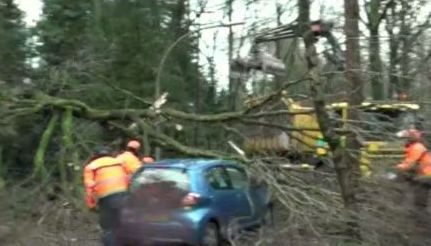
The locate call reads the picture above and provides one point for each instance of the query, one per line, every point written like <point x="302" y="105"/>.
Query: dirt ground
<point x="38" y="222"/>
<point x="33" y="219"/>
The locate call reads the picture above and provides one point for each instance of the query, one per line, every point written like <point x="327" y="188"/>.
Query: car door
<point x="221" y="193"/>
<point x="244" y="210"/>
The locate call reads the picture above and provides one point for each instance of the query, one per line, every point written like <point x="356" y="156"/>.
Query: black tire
<point x="211" y="235"/>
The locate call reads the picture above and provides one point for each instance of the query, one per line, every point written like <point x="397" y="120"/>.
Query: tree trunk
<point x="393" y="77"/>
<point x="346" y="167"/>
<point x="405" y="50"/>
<point x="393" y="52"/>
<point x="316" y="90"/>
<point x="232" y="87"/>
<point x="377" y="90"/>
<point x="68" y="154"/>
<point x="278" y="79"/>
<point x="348" y="172"/>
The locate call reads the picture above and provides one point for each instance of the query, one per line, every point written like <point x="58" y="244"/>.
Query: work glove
<point x="390" y="176"/>
<point x="91" y="203"/>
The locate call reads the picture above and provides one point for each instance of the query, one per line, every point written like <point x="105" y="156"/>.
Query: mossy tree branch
<point x="142" y="117"/>
<point x="39" y="159"/>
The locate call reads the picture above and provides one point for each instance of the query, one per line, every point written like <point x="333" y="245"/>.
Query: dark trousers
<point x="110" y="207"/>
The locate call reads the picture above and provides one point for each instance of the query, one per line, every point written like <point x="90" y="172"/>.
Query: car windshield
<point x="174" y="177"/>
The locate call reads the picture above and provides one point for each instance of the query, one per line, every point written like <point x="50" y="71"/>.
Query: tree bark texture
<point x="393" y="52"/>
<point x="316" y="88"/>
<point x="405" y="33"/>
<point x="374" y="20"/>
<point x="346" y="168"/>
<point x="349" y="171"/>
<point x="232" y="87"/>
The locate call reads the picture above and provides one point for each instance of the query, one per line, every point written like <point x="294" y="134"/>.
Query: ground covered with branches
<point x="308" y="211"/>
<point x="36" y="218"/>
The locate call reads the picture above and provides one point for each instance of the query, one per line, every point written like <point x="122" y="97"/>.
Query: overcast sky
<point x="32" y="10"/>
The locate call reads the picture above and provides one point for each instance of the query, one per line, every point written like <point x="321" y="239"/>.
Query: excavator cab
<point x="379" y="121"/>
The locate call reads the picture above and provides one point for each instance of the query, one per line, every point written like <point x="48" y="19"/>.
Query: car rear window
<point x="176" y="177"/>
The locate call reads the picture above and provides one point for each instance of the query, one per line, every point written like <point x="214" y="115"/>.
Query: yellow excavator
<point x="380" y="119"/>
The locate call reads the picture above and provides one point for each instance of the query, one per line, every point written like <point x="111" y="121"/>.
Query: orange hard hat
<point x="410" y="133"/>
<point x="134" y="144"/>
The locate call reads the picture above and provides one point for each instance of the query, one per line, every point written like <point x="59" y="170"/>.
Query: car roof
<point x="198" y="163"/>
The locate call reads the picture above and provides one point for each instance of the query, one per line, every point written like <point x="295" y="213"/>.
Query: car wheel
<point x="211" y="236"/>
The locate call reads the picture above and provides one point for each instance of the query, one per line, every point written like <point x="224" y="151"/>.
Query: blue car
<point x="192" y="202"/>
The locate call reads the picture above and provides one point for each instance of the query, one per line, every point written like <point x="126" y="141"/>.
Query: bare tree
<point x="376" y="11"/>
<point x="349" y="180"/>
<point x="346" y="164"/>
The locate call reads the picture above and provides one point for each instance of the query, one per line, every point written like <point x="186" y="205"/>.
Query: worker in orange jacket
<point x="130" y="157"/>
<point x="417" y="157"/>
<point x="417" y="161"/>
<point x="106" y="183"/>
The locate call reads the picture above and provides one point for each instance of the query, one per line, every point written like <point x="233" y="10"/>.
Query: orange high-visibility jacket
<point x="130" y="162"/>
<point x="102" y="177"/>
<point x="417" y="154"/>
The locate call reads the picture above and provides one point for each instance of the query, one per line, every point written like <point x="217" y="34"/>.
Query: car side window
<point x="237" y="177"/>
<point x="218" y="179"/>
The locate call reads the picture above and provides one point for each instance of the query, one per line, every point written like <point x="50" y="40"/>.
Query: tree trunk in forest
<point x="316" y="90"/>
<point x="278" y="79"/>
<point x="232" y="87"/>
<point x="405" y="48"/>
<point x="377" y="89"/>
<point x="349" y="171"/>
<point x="393" y="52"/>
<point x="65" y="148"/>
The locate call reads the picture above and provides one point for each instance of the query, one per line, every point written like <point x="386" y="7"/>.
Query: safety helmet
<point x="134" y="144"/>
<point x="411" y="134"/>
<point x="101" y="151"/>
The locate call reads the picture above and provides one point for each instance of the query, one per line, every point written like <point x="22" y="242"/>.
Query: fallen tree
<point x="145" y="118"/>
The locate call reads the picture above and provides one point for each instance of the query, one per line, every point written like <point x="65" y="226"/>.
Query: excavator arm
<point x="319" y="29"/>
<point x="263" y="61"/>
